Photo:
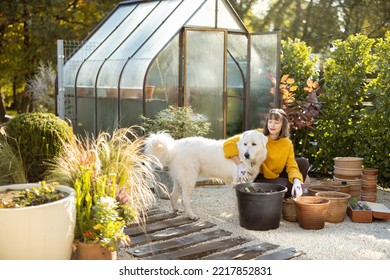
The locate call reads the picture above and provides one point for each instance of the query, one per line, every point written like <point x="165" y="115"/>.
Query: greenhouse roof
<point x="134" y="33"/>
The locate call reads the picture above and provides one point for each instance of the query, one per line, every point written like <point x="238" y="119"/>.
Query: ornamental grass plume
<point x="106" y="166"/>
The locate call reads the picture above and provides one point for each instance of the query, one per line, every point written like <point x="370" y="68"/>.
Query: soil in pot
<point x="260" y="205"/>
<point x="38" y="232"/>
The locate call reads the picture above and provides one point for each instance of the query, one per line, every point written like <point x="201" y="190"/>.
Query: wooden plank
<point x="199" y="251"/>
<point x="178" y="244"/>
<point x="170" y="233"/>
<point x="155" y="211"/>
<point x="150" y="228"/>
<point x="158" y="216"/>
<point x="245" y="253"/>
<point x="285" y="254"/>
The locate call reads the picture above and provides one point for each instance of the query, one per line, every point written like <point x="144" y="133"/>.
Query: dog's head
<point x="157" y="146"/>
<point x="252" y="146"/>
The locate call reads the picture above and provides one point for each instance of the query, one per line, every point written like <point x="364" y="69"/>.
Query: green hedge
<point x="38" y="137"/>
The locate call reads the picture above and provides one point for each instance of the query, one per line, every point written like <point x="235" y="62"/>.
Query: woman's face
<point x="274" y="127"/>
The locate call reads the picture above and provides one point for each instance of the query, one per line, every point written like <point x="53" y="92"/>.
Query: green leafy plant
<point x="358" y="205"/>
<point x="375" y="124"/>
<point x="179" y="122"/>
<point x="31" y="197"/>
<point x="342" y="111"/>
<point x="106" y="224"/>
<point x="36" y="138"/>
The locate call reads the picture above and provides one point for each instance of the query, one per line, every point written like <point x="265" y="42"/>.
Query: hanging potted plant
<point x="37" y="221"/>
<point x="179" y="122"/>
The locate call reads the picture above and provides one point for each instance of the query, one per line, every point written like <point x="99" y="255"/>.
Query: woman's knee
<point x="303" y="165"/>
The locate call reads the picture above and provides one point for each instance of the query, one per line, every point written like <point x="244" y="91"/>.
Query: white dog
<point x="191" y="157"/>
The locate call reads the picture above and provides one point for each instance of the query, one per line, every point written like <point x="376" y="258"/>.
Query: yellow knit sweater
<point x="280" y="155"/>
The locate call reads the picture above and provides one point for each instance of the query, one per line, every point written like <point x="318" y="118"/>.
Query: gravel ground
<point x="342" y="241"/>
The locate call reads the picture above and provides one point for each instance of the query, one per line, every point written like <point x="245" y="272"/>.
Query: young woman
<point x="281" y="166"/>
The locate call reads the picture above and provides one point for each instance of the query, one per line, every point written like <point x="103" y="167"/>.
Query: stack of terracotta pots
<point x="349" y="170"/>
<point x="369" y="183"/>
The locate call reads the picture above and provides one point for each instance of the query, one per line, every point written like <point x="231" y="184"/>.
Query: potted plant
<point x="37" y="221"/>
<point x="44" y="228"/>
<point x="359" y="211"/>
<point x="108" y="168"/>
<point x="179" y="122"/>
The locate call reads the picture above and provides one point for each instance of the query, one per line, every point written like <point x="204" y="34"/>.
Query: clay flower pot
<point x="337" y="207"/>
<point x="311" y="211"/>
<point x="312" y="190"/>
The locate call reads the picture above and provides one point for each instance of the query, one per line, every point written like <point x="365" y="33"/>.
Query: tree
<point x="29" y="30"/>
<point x="321" y="21"/>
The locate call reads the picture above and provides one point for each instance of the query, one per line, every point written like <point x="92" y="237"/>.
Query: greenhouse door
<point x="204" y="76"/>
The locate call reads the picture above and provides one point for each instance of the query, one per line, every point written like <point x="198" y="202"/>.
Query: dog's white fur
<point x="191" y="157"/>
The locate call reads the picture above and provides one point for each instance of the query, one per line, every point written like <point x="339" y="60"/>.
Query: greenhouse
<point x="147" y="55"/>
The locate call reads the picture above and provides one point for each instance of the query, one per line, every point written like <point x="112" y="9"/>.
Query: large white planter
<point x="43" y="232"/>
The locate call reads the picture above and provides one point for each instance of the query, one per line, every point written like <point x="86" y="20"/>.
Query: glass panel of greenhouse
<point x="146" y="56"/>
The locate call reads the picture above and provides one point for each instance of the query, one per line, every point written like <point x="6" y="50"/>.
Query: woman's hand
<point x="296" y="188"/>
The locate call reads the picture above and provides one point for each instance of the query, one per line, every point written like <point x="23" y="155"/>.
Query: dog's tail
<point x="158" y="146"/>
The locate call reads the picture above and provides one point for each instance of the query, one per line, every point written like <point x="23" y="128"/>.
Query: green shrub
<point x="179" y="122"/>
<point x="38" y="138"/>
<point x="342" y="109"/>
<point x="373" y="132"/>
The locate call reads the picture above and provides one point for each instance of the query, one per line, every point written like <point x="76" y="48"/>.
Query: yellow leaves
<point x="293" y="88"/>
<point x="284" y="78"/>
<point x="311" y="85"/>
<point x="290" y="81"/>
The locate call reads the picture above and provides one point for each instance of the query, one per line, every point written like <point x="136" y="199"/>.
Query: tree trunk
<point x="3" y="111"/>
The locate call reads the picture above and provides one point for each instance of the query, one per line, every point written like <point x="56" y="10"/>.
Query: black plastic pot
<point x="260" y="205"/>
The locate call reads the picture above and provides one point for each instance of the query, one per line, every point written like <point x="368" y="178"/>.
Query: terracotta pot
<point x="369" y="177"/>
<point x="355" y="186"/>
<point x="312" y="190"/>
<point x="311" y="211"/>
<point x="337" y="207"/>
<point x="347" y="172"/>
<point x="149" y="92"/>
<point x="87" y="251"/>
<point x="348" y="162"/>
<point x="370" y="171"/>
<point x="368" y="196"/>
<point x="342" y="185"/>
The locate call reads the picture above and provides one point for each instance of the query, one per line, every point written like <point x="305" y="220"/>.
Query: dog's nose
<point x="246" y="155"/>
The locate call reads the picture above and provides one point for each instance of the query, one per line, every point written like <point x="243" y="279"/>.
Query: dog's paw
<point x="194" y="218"/>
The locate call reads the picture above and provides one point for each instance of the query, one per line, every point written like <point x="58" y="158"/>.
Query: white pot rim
<point x="71" y="191"/>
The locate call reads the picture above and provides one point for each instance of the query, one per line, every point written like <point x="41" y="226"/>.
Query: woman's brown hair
<point x="278" y="114"/>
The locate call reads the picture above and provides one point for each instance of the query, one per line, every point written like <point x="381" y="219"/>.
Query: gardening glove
<point x="242" y="173"/>
<point x="296" y="188"/>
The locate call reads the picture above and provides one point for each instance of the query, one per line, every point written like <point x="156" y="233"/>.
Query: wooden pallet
<point x="168" y="236"/>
